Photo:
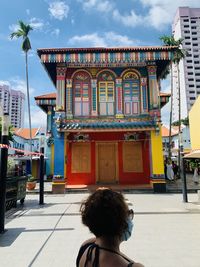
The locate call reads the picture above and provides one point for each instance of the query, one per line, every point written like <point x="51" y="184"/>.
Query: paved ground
<point x="172" y="187"/>
<point x="166" y="231"/>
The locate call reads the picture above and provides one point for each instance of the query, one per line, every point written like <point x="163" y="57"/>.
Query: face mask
<point x="127" y="233"/>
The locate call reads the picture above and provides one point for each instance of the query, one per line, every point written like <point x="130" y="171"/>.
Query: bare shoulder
<point x="136" y="264"/>
<point x="91" y="240"/>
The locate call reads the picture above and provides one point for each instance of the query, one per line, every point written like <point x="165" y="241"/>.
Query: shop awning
<point x="195" y="154"/>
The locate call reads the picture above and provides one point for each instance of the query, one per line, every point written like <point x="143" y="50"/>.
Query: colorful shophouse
<point x="104" y="120"/>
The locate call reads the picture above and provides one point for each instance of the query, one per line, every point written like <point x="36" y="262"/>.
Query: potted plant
<point x="31" y="182"/>
<point x="58" y="184"/>
<point x="58" y="177"/>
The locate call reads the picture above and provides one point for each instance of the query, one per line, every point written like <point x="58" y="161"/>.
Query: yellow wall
<point x="157" y="153"/>
<point x="194" y="118"/>
<point x="35" y="169"/>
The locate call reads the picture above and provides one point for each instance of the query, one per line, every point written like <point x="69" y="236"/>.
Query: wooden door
<point x="106" y="162"/>
<point x="81" y="158"/>
<point x="132" y="157"/>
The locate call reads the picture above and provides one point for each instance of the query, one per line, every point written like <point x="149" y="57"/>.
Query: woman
<point x="195" y="176"/>
<point x="170" y="172"/>
<point x="106" y="214"/>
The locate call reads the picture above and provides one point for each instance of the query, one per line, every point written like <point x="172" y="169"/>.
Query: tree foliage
<point x="23" y="32"/>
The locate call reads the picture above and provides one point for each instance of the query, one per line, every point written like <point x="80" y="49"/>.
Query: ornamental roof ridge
<point x="102" y="121"/>
<point x="103" y="49"/>
<point x="46" y="96"/>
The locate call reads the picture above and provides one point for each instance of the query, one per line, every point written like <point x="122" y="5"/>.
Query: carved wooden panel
<point x="132" y="157"/>
<point x="107" y="166"/>
<point x="81" y="158"/>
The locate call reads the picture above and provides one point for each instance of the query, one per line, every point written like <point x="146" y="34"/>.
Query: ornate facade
<point x="106" y="120"/>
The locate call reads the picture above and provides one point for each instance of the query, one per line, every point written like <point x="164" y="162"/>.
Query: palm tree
<point x="179" y="54"/>
<point x="23" y="33"/>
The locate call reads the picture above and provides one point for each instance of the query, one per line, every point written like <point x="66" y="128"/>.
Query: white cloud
<point x="16" y="83"/>
<point x="58" y="10"/>
<point x="36" y="23"/>
<point x="38" y="117"/>
<point x="131" y="20"/>
<point x="14" y="27"/>
<point x="87" y="40"/>
<point x="108" y="39"/>
<point x="114" y="39"/>
<point x="55" y="32"/>
<point x="165" y="111"/>
<point x="2" y="82"/>
<point x="159" y="13"/>
<point x="99" y="5"/>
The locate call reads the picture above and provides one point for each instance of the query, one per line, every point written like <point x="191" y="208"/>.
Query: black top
<point x="94" y="247"/>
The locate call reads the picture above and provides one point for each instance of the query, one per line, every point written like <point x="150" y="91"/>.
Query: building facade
<point x="104" y="123"/>
<point x="185" y="140"/>
<point x="20" y="149"/>
<point x="194" y="115"/>
<point x="186" y="25"/>
<point x="12" y="102"/>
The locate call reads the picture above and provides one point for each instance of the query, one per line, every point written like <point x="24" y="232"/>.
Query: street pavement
<point x="166" y="231"/>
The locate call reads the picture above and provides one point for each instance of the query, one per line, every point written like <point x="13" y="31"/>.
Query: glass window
<point x="131" y="94"/>
<point x="106" y="98"/>
<point x="81" y="86"/>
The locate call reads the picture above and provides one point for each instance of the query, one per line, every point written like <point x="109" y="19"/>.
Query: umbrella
<point x="195" y="154"/>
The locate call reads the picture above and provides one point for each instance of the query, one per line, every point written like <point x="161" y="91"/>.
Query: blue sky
<point x="78" y="23"/>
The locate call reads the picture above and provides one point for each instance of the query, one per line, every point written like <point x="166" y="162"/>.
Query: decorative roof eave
<point x="108" y="130"/>
<point x="164" y="99"/>
<point x="106" y="126"/>
<point x="105" y="58"/>
<point x="44" y="101"/>
<point x="103" y="49"/>
<point x="46" y="96"/>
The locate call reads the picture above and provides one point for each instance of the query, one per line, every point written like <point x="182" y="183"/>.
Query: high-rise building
<point x="186" y="25"/>
<point x="12" y="102"/>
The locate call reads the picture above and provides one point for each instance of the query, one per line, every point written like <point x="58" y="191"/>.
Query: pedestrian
<point x="170" y="172"/>
<point x="175" y="169"/>
<point x="107" y="216"/>
<point x="195" y="176"/>
<point x="165" y="168"/>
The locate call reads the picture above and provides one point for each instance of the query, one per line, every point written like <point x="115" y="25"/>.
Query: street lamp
<point x="3" y="168"/>
<point x="183" y="175"/>
<point x="42" y="144"/>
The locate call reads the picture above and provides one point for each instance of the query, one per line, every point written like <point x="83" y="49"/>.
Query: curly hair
<point x="105" y="213"/>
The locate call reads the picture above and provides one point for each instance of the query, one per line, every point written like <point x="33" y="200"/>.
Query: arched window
<point x="81" y="87"/>
<point x="131" y="89"/>
<point x="106" y="87"/>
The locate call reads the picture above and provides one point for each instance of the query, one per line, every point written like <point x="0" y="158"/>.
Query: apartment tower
<point x="186" y="25"/>
<point x="12" y="102"/>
